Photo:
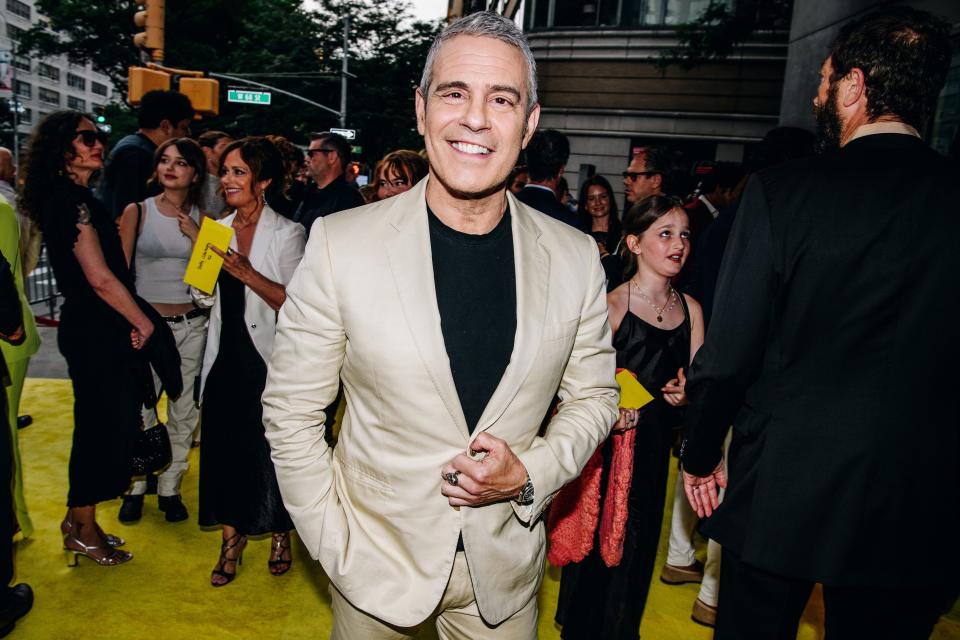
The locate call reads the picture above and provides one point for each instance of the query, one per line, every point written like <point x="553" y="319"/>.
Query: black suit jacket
<point x="546" y="202"/>
<point x="833" y="352"/>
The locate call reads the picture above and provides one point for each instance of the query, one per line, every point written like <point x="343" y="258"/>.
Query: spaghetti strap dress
<point x="238" y="484"/>
<point x="600" y="602"/>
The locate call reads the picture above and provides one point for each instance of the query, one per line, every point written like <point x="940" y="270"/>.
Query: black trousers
<point x="7" y="517"/>
<point x="756" y="604"/>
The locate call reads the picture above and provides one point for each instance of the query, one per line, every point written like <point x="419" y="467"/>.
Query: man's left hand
<point x="703" y="493"/>
<point x="498" y="476"/>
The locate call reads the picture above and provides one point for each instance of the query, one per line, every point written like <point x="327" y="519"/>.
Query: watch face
<point x="525" y="496"/>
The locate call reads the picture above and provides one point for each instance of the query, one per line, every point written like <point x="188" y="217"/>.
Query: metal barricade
<point x="42" y="289"/>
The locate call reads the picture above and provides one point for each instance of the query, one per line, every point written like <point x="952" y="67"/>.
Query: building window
<point x="77" y="82"/>
<point x="615" y="13"/>
<point x="77" y="104"/>
<point x="49" y="96"/>
<point x="14" y="32"/>
<point x="24" y="89"/>
<point x="18" y="8"/>
<point x="26" y="116"/>
<point x="48" y="71"/>
<point x="21" y="63"/>
<point x="97" y="88"/>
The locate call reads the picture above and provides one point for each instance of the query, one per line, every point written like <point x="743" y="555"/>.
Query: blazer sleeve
<point x="11" y="315"/>
<point x="291" y="253"/>
<point x="309" y="329"/>
<point x="588" y="393"/>
<point x="732" y="355"/>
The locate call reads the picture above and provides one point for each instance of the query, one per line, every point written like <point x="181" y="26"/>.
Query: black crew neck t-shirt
<point x="477" y="297"/>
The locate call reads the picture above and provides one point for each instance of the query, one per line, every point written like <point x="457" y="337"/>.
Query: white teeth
<point x="475" y="149"/>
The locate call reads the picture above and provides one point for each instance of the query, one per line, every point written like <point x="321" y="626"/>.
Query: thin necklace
<point x="667" y="306"/>
<point x="182" y="208"/>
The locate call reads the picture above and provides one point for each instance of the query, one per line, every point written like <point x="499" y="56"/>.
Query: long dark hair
<point x="45" y="165"/>
<point x="638" y="219"/>
<point x="615" y="230"/>
<point x="195" y="158"/>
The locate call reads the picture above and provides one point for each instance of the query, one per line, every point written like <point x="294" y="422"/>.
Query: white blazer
<point x="276" y="251"/>
<point x="362" y="308"/>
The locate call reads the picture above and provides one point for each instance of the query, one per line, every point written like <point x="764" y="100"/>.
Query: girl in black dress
<point x="656" y="332"/>
<point x="101" y="325"/>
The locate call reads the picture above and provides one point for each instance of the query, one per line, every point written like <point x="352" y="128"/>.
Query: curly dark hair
<point x="264" y="160"/>
<point x="904" y="54"/>
<point x="49" y="150"/>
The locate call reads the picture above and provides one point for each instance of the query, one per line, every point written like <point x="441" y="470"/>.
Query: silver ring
<point x="229" y="251"/>
<point x="452" y="478"/>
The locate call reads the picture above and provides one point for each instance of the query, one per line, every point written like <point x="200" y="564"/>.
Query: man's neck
<point x="466" y="215"/>
<point x="547" y="184"/>
<point x="325" y="180"/>
<point x="156" y="136"/>
<point x="860" y="125"/>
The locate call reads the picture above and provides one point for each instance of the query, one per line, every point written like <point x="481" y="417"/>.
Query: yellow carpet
<point x="165" y="592"/>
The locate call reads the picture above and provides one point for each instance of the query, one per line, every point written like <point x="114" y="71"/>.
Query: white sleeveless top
<point x="162" y="255"/>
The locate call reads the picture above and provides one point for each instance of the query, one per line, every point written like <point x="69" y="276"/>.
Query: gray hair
<point x="486" y="24"/>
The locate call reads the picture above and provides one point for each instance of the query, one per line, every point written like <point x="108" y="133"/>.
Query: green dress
<point x="18" y="356"/>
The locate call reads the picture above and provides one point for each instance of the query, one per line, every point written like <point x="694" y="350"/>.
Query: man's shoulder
<point x="554" y="231"/>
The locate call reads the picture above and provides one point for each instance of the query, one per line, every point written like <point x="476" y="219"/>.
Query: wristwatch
<point x="525" y="497"/>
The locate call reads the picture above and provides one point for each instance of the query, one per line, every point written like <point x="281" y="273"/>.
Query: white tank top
<point x="162" y="255"/>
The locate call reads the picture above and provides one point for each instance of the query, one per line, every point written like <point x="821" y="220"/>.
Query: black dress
<point x="600" y="602"/>
<point x="238" y="484"/>
<point x="95" y="341"/>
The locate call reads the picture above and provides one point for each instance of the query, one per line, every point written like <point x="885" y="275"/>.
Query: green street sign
<point x="248" y="97"/>
<point x="357" y="149"/>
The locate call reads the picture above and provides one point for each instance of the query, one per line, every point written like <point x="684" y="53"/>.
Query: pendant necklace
<point x="667" y="306"/>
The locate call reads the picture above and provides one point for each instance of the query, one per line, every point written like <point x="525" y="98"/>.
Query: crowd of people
<point x="468" y="316"/>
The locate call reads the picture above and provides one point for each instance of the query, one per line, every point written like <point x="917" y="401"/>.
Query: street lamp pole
<point x="343" y="75"/>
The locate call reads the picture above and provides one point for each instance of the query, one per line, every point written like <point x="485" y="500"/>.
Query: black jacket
<point x="546" y="202"/>
<point x="833" y="351"/>
<point x="317" y="203"/>
<point x="126" y="173"/>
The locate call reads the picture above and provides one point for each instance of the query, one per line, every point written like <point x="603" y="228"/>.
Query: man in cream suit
<point x="454" y="314"/>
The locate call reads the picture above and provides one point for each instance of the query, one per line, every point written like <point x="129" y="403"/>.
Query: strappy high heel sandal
<point x="235" y="542"/>
<point x="105" y="555"/>
<point x="280" y="545"/>
<point x="114" y="541"/>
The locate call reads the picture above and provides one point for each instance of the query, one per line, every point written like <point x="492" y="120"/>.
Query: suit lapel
<point x="411" y="264"/>
<point x="532" y="266"/>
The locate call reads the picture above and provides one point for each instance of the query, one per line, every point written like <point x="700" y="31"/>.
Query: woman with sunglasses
<point x="101" y="324"/>
<point x="157" y="236"/>
<point x="597" y="216"/>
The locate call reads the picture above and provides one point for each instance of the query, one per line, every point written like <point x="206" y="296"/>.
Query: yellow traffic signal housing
<point x="140" y="80"/>
<point x="150" y="19"/>
<point x="204" y="94"/>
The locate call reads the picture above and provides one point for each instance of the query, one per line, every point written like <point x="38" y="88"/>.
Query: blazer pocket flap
<point x="354" y="473"/>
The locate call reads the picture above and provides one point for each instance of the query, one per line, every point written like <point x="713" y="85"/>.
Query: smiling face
<point x="86" y="159"/>
<point x="598" y="201"/>
<point x="474" y="119"/>
<point x="664" y="247"/>
<point x="173" y="170"/>
<point x="240" y="188"/>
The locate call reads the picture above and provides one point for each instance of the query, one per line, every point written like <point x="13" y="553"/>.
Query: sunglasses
<point x="310" y="152"/>
<point x="633" y="175"/>
<point x="89" y="137"/>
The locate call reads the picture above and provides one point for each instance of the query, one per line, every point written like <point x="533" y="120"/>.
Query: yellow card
<point x="204" y="265"/>
<point x="632" y="394"/>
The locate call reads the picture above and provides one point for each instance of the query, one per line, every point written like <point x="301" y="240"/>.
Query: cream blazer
<point x="275" y="252"/>
<point x="362" y="308"/>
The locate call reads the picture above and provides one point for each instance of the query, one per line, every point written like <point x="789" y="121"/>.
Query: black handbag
<point x="151" y="449"/>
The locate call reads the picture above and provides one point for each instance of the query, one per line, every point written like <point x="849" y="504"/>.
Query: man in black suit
<point x="547" y="155"/>
<point x="832" y="352"/>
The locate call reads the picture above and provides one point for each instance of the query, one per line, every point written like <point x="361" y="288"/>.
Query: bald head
<point x="7" y="168"/>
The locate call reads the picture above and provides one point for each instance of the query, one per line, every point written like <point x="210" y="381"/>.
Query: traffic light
<point x="150" y="19"/>
<point x="140" y="80"/>
<point x="204" y="94"/>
